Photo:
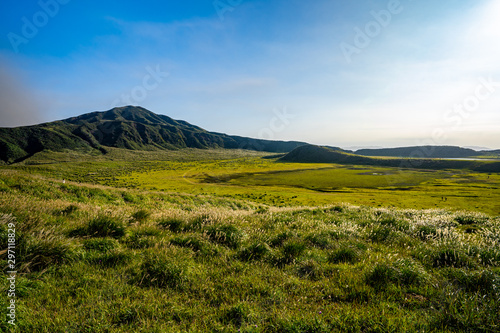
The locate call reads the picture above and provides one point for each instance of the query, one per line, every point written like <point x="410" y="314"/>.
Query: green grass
<point x="100" y="258"/>
<point x="246" y="176"/>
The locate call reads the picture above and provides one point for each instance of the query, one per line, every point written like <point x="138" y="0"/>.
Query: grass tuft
<point x="101" y="226"/>
<point x="227" y="235"/>
<point x="162" y="271"/>
<point x="344" y="254"/>
<point x="100" y="244"/>
<point x="141" y="215"/>
<point x="173" y="224"/>
<point x="256" y="251"/>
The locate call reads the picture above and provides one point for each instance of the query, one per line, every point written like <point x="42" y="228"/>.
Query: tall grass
<point x="219" y="268"/>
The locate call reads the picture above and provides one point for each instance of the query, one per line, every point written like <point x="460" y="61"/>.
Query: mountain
<point x="320" y="154"/>
<point x="492" y="153"/>
<point x="128" y="127"/>
<point x="421" y="152"/>
<point x="317" y="154"/>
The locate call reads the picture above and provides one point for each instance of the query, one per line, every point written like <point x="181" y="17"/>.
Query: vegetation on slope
<point x="317" y="154"/>
<point x="424" y="151"/>
<point x="101" y="259"/>
<point x="129" y="127"/>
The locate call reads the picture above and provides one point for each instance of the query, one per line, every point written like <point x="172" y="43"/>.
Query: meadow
<point x="231" y="241"/>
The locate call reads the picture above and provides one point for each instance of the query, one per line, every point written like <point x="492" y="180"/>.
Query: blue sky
<point x="338" y="72"/>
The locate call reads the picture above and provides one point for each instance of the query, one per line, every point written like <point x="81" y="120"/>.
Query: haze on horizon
<point x="341" y="73"/>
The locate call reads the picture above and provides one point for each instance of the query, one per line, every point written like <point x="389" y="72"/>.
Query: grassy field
<point x="233" y="242"/>
<point x="248" y="176"/>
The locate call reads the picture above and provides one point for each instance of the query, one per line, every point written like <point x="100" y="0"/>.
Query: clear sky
<point x="338" y="72"/>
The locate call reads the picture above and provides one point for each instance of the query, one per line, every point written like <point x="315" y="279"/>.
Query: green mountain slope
<point x="127" y="127"/>
<point x="317" y="154"/>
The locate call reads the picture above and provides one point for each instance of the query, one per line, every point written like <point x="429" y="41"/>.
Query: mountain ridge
<point x="128" y="127"/>
<point x="136" y="128"/>
<point x="321" y="154"/>
<point x="425" y="152"/>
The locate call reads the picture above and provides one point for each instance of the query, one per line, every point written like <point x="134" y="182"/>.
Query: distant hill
<point x="493" y="153"/>
<point x="317" y="154"/>
<point x="420" y="152"/>
<point x="424" y="152"/>
<point x="320" y="154"/>
<point x="127" y="127"/>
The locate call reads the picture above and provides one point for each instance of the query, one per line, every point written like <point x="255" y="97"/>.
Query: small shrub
<point x="173" y="224"/>
<point x="473" y="281"/>
<point x="130" y="198"/>
<point x="380" y="276"/>
<point x="126" y="316"/>
<point x="100" y="244"/>
<point x="356" y="294"/>
<point x="469" y="228"/>
<point x="160" y="271"/>
<point x="394" y="223"/>
<point x="110" y="259"/>
<point x="321" y="240"/>
<point x="380" y="234"/>
<point x="141" y="215"/>
<point x="470" y="219"/>
<point x="262" y="210"/>
<point x="292" y="251"/>
<point x="69" y="210"/>
<point x="139" y="241"/>
<point x="280" y="239"/>
<point x="191" y="242"/>
<point x="344" y="255"/>
<point x="148" y="231"/>
<point x="402" y="272"/>
<point x="310" y="269"/>
<point x="490" y="257"/>
<point x="425" y="232"/>
<point x="101" y="226"/>
<point x="255" y="251"/>
<point x="337" y="209"/>
<point x="227" y="235"/>
<point x="199" y="222"/>
<point x="462" y="312"/>
<point x="41" y="252"/>
<point x="449" y="257"/>
<point x="236" y="315"/>
<point x="409" y="272"/>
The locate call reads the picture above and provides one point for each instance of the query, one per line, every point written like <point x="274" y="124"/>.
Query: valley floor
<point x="239" y="243"/>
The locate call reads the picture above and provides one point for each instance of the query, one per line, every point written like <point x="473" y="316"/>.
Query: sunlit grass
<point x="96" y="258"/>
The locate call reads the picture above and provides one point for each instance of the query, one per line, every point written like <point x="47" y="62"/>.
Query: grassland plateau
<point x="237" y="241"/>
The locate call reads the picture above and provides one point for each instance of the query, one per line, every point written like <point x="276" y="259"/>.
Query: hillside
<point x="317" y="154"/>
<point x="424" y="151"/>
<point x="127" y="127"/>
